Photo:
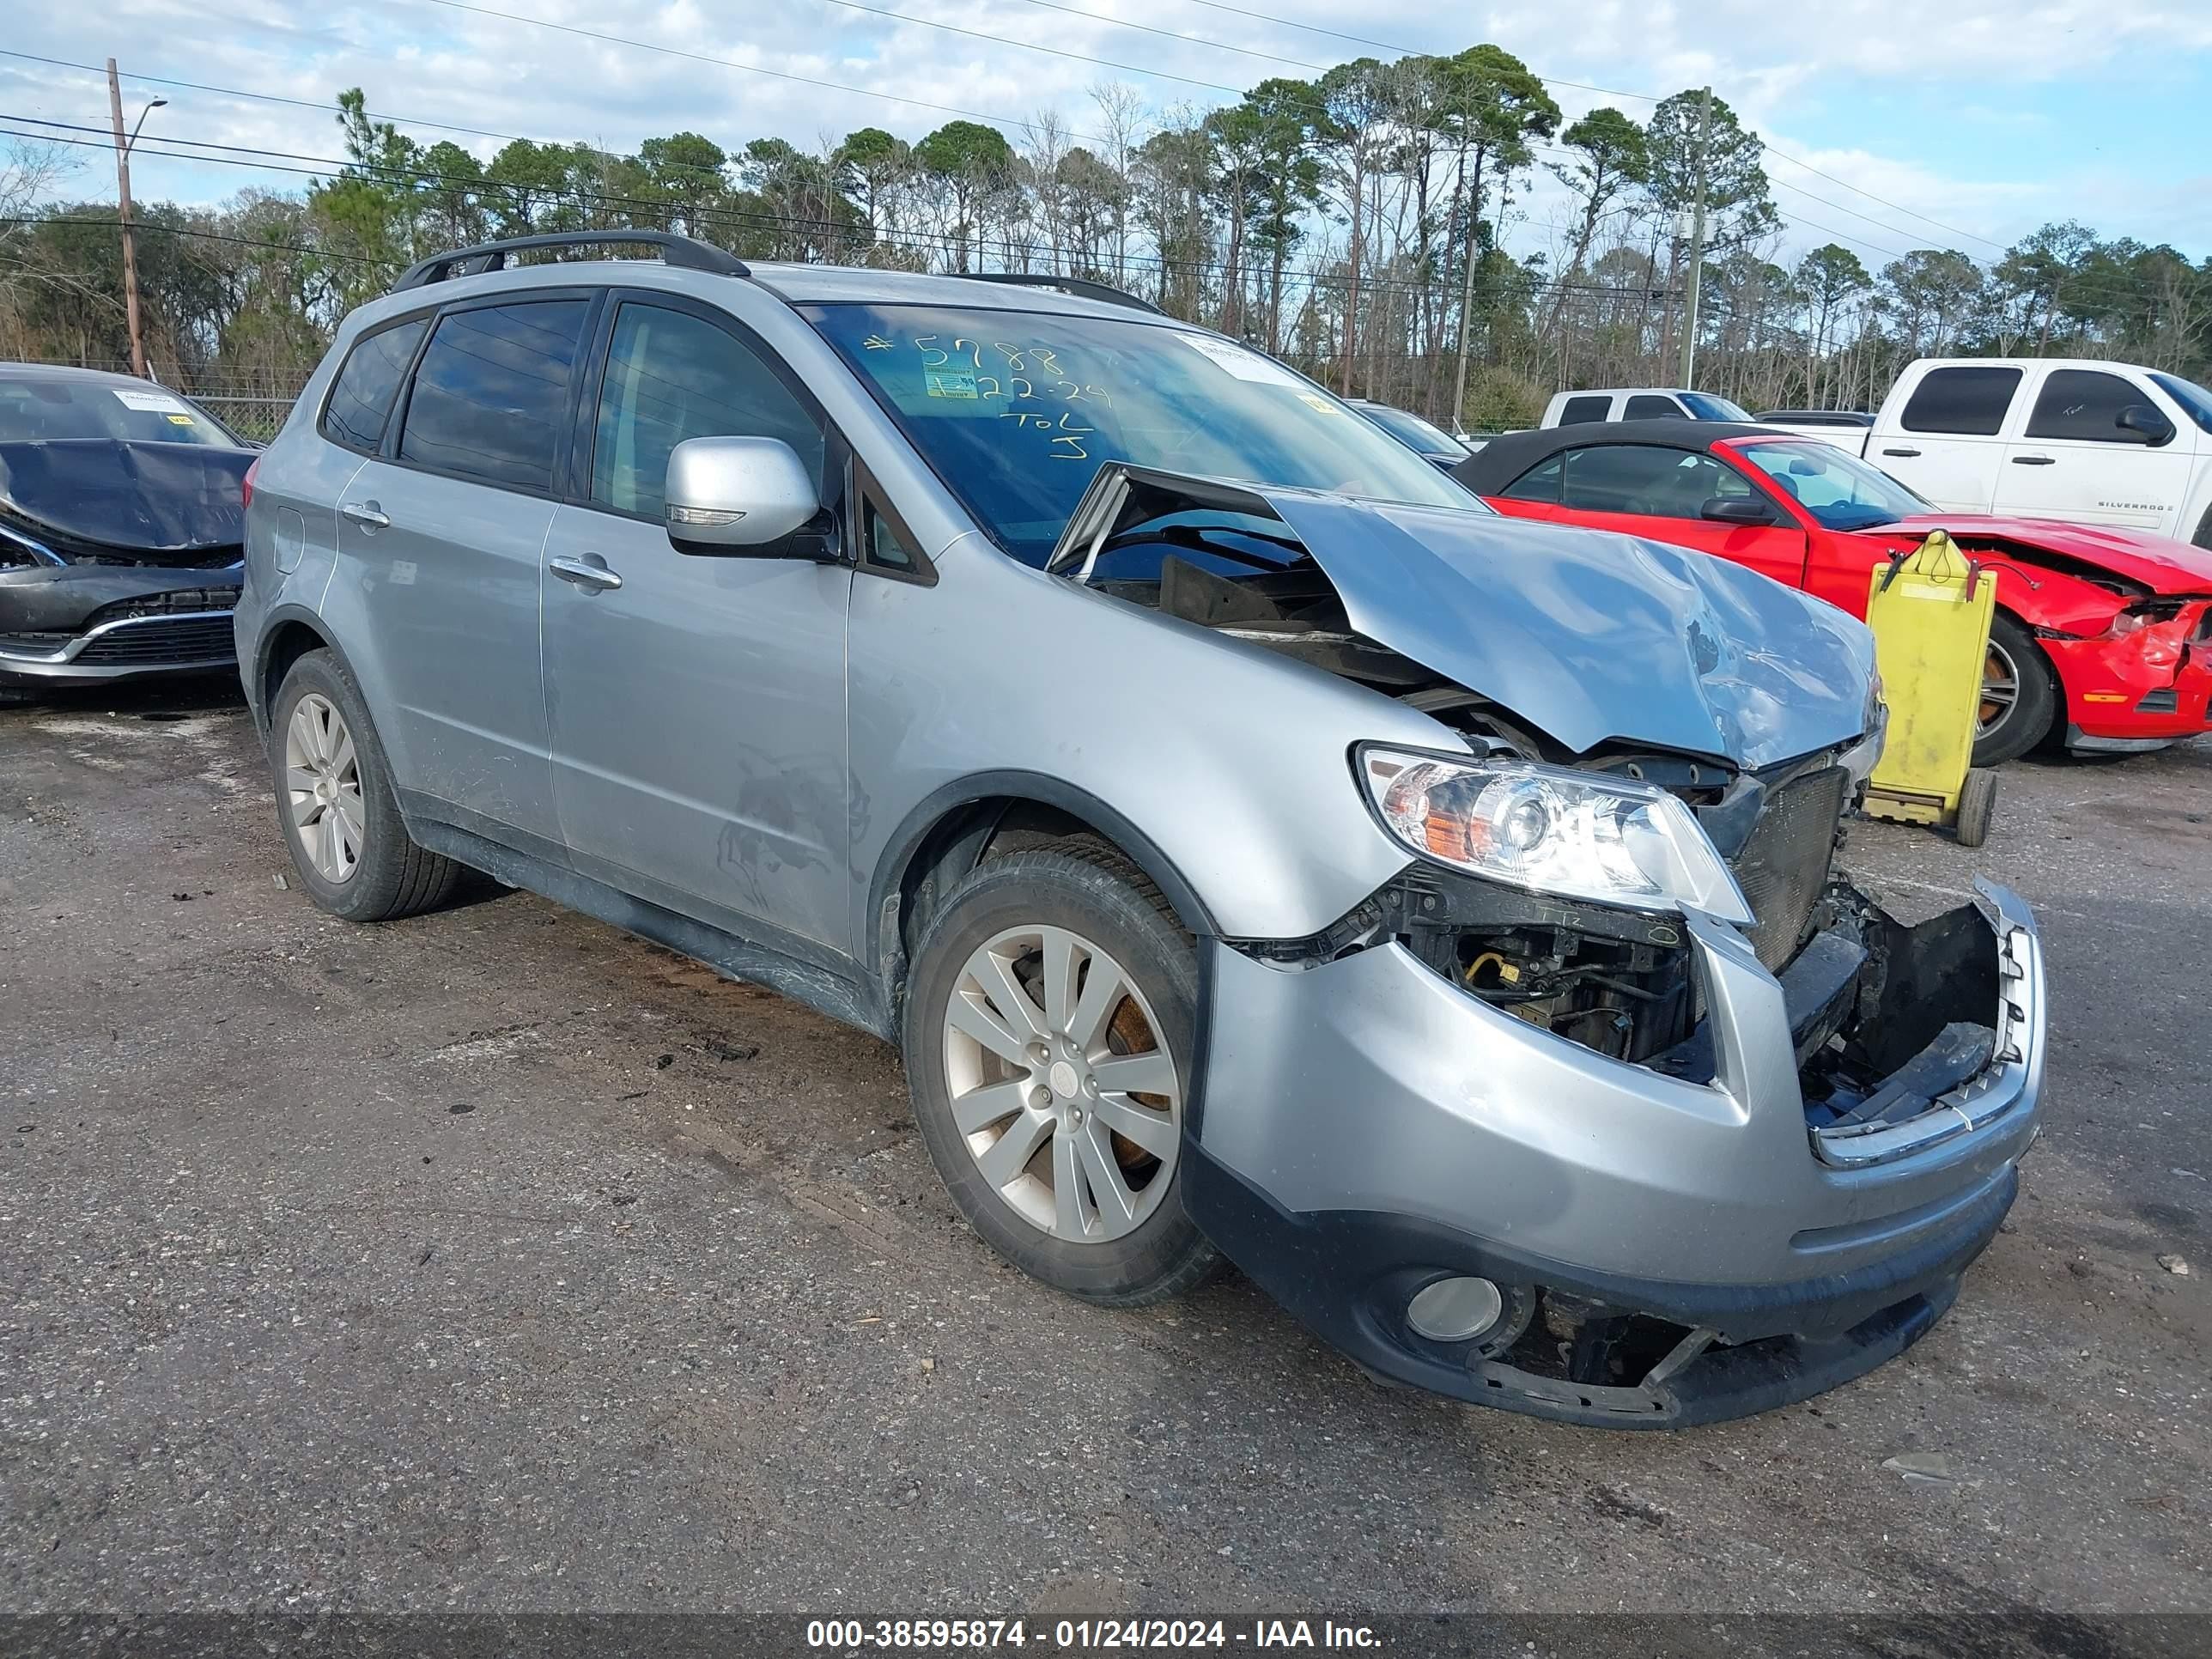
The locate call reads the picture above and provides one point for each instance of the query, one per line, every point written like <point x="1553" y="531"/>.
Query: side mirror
<point x="2146" y="422"/>
<point x="1746" y="510"/>
<point x="739" y="496"/>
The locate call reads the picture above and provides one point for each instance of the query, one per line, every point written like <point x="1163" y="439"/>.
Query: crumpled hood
<point x="2159" y="563"/>
<point x="130" y="499"/>
<point x="1589" y="636"/>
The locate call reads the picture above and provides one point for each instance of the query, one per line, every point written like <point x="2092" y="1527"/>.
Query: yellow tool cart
<point x="1930" y="611"/>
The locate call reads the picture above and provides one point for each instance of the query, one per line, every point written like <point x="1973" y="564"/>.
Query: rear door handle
<point x="589" y="572"/>
<point x="368" y="514"/>
<point x="2035" y="460"/>
<point x="1908" y="453"/>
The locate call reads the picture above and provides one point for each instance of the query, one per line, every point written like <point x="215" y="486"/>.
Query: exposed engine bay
<point x="1867" y="995"/>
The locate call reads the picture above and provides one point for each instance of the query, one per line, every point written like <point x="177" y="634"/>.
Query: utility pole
<point x="123" y="217"/>
<point x="1697" y="241"/>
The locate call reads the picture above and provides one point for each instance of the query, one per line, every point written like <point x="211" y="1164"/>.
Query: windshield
<point x="1704" y="406"/>
<point x="33" y="408"/>
<point x="2189" y="395"/>
<point x="1399" y="423"/>
<point x="1017" y="411"/>
<point x="1839" y="489"/>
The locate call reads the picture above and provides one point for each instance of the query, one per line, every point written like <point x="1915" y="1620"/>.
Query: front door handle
<point x="1904" y="453"/>
<point x="589" y="572"/>
<point x="2035" y="460"/>
<point x="366" y="514"/>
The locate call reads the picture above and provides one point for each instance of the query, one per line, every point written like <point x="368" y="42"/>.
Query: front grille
<point x="1784" y="862"/>
<point x="176" y="602"/>
<point x="196" y="639"/>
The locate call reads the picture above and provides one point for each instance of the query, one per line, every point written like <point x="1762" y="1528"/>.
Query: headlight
<point x="1580" y="835"/>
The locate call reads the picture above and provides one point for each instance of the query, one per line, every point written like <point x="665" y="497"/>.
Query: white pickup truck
<point x="2078" y="439"/>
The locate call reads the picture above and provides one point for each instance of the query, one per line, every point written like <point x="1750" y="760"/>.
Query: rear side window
<point x="1646" y="480"/>
<point x="1579" y="409"/>
<point x="1969" y="402"/>
<point x="492" y="393"/>
<point x="1539" y="483"/>
<point x="1646" y="407"/>
<point x="369" y="385"/>
<point x="2084" y="403"/>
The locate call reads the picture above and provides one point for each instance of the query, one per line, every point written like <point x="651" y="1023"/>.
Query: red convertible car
<point x="2102" y="639"/>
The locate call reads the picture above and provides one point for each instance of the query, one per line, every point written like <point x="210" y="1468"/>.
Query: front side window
<point x="2084" y="404"/>
<point x="1970" y="402"/>
<point x="1576" y="411"/>
<point x="1017" y="411"/>
<point x="1647" y="481"/>
<point x="1837" y="487"/>
<point x="369" y="385"/>
<point x="672" y="376"/>
<point x="1648" y="406"/>
<point x="491" y="394"/>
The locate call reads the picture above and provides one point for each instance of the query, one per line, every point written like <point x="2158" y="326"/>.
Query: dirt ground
<point x="498" y="1261"/>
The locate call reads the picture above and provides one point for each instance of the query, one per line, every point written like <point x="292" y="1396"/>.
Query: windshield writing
<point x="1016" y="412"/>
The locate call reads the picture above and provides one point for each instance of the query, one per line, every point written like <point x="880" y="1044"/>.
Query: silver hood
<point x="1589" y="636"/>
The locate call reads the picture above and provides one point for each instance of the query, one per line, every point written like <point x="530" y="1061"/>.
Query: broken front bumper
<point x="86" y="624"/>
<point x="1669" y="1245"/>
<point x="2142" y="690"/>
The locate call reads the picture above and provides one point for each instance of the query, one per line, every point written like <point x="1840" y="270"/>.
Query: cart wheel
<point x="1977" y="799"/>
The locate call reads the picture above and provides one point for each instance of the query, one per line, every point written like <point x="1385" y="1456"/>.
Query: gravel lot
<point x="498" y="1261"/>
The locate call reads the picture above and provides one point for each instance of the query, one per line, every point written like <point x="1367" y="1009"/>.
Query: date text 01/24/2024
<point x="1082" y="1635"/>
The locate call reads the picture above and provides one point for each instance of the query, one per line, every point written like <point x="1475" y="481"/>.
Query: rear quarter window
<point x="367" y="384"/>
<point x="1968" y="403"/>
<point x="1577" y="410"/>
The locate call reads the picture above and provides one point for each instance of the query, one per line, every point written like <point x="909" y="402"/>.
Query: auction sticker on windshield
<point x="151" y="402"/>
<point x="1244" y="365"/>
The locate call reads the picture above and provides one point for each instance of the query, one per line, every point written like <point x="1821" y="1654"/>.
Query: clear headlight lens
<point x="1580" y="835"/>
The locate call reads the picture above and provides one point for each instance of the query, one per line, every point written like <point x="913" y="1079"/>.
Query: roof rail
<point x="1074" y="285"/>
<point x="684" y="251"/>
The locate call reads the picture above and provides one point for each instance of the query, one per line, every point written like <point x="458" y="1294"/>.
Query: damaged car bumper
<point x="2143" y="690"/>
<point x="1463" y="1200"/>
<point x="87" y="625"/>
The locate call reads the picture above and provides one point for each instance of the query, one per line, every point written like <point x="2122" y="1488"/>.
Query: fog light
<point x="1455" y="1309"/>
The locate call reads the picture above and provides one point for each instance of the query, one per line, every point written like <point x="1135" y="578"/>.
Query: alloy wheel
<point x="322" y="788"/>
<point x="2000" y="689"/>
<point x="1068" y="1098"/>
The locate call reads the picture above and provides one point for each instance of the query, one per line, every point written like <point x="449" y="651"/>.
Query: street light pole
<point x="123" y="213"/>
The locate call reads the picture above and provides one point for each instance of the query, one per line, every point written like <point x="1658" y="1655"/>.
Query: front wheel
<point x="1048" y="1036"/>
<point x="2019" y="694"/>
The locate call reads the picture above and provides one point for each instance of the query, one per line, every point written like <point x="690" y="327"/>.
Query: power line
<point x="137" y="225"/>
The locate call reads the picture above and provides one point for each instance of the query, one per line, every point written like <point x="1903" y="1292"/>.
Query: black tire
<point x="1087" y="890"/>
<point x="2203" y="536"/>
<point x="1978" y="803"/>
<point x="394" y="877"/>
<point x="2027" y="722"/>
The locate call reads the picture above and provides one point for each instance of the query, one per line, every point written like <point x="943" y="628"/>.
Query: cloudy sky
<point x="1962" y="125"/>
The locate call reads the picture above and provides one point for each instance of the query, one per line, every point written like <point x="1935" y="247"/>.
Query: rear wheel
<point x="1048" y="1032"/>
<point x="2019" y="694"/>
<point x="1978" y="802"/>
<point x="335" y="802"/>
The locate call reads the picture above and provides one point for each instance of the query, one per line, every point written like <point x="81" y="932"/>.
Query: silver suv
<point x="1258" y="848"/>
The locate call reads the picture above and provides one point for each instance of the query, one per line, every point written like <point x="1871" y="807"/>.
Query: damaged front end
<point x="118" y="559"/>
<point x="1506" y="1134"/>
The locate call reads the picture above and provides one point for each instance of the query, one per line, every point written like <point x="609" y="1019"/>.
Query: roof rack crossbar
<point x="685" y="251"/>
<point x="1075" y="285"/>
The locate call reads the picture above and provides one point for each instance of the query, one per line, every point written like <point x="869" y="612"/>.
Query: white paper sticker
<point x="1244" y="364"/>
<point x="152" y="403"/>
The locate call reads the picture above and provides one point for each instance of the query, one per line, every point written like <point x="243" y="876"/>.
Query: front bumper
<point x="1697" y="1248"/>
<point x="90" y="625"/>
<point x="2142" y="690"/>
